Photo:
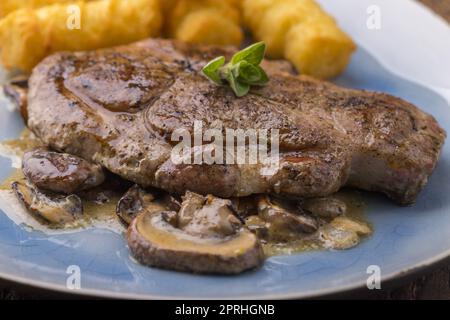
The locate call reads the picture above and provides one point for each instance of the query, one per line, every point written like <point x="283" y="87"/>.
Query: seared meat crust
<point x="118" y="107"/>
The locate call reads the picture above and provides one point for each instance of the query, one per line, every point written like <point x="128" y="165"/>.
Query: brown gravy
<point x="96" y="213"/>
<point x="102" y="214"/>
<point x="355" y="213"/>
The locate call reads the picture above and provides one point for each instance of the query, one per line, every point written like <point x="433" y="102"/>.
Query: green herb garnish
<point x="242" y="72"/>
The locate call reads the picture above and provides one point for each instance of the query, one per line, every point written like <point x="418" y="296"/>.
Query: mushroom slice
<point x="258" y="226"/>
<point x="61" y="172"/>
<point x="211" y="240"/>
<point x="53" y="209"/>
<point x="16" y="91"/>
<point x="284" y="218"/>
<point x="207" y="216"/>
<point x="110" y="189"/>
<point x="137" y="200"/>
<point x="245" y="206"/>
<point x="133" y="202"/>
<point x="192" y="202"/>
<point x="328" y="207"/>
<point x="343" y="233"/>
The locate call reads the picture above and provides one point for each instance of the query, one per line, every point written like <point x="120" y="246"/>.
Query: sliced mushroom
<point x="113" y="187"/>
<point x="204" y="237"/>
<point x="258" y="226"/>
<point x="133" y="202"/>
<point x="137" y="200"/>
<point x="192" y="202"/>
<point x="207" y="216"/>
<point x="328" y="207"/>
<point x="16" y="91"/>
<point x="61" y="172"/>
<point x="245" y="206"/>
<point x="343" y="233"/>
<point x="284" y="219"/>
<point x="51" y="208"/>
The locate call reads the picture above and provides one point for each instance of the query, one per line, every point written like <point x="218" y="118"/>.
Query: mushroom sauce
<point x="99" y="207"/>
<point x="340" y="232"/>
<point x="96" y="213"/>
<point x="343" y="237"/>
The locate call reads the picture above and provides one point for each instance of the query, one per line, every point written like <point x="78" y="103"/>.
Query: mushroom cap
<point x="137" y="200"/>
<point x="155" y="242"/>
<point x="50" y="208"/>
<point x="61" y="172"/>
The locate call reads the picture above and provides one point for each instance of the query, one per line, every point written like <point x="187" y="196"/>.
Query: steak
<point x="118" y="107"/>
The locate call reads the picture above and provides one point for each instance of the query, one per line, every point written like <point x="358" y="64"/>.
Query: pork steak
<point x="118" y="107"/>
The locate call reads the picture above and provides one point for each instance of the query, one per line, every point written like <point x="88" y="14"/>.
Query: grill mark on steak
<point x="118" y="83"/>
<point x="140" y="93"/>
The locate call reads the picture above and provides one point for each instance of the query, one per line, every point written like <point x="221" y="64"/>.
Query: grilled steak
<point x="118" y="107"/>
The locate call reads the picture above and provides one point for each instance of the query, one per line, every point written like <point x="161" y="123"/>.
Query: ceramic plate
<point x="400" y="56"/>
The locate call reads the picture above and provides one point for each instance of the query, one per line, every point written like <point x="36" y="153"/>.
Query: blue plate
<point x="405" y="238"/>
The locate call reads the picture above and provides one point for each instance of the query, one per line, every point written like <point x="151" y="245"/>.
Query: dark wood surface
<point x="434" y="285"/>
<point x="441" y="7"/>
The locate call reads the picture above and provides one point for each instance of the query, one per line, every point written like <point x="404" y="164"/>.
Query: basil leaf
<point x="247" y="73"/>
<point x="240" y="89"/>
<point x="263" y="80"/>
<point x="211" y="70"/>
<point x="253" y="54"/>
<point x="242" y="72"/>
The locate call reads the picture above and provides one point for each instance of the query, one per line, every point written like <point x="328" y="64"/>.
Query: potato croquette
<point x="29" y="35"/>
<point x="203" y="21"/>
<point x="300" y="31"/>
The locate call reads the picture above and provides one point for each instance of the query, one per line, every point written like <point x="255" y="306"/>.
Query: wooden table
<point x="435" y="285"/>
<point x="442" y="7"/>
